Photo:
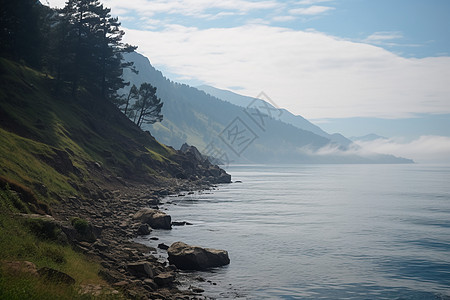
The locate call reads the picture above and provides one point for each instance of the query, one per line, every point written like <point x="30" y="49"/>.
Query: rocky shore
<point x="114" y="219"/>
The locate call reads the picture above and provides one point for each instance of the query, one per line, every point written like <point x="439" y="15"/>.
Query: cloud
<point x="310" y="11"/>
<point x="382" y="36"/>
<point x="310" y="2"/>
<point x="192" y="8"/>
<point x="426" y="149"/>
<point x="310" y="73"/>
<point x="387" y="38"/>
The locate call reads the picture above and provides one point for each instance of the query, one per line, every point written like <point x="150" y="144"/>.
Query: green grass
<point x="22" y="161"/>
<point x="36" y="126"/>
<point x="23" y="240"/>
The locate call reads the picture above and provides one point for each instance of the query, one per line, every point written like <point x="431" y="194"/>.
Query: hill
<point x="195" y="117"/>
<point x="83" y="168"/>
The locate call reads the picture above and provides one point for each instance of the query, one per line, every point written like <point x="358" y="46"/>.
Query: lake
<point x="322" y="232"/>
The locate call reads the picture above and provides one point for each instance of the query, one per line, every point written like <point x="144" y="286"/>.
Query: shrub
<point x="81" y="225"/>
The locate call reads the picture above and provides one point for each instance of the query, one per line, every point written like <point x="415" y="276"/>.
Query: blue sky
<point x="411" y="28"/>
<point x="351" y="66"/>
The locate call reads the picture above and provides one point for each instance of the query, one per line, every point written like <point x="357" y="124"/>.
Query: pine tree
<point x="95" y="47"/>
<point x="148" y="107"/>
<point x="20" y="37"/>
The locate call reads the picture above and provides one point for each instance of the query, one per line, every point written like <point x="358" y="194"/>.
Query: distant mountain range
<point x="284" y="115"/>
<point x="241" y="129"/>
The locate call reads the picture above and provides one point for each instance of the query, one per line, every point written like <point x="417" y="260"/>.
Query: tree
<point x="20" y="37"/>
<point x="133" y="94"/>
<point x="148" y="107"/>
<point x="125" y="102"/>
<point x="111" y="54"/>
<point x="95" y="47"/>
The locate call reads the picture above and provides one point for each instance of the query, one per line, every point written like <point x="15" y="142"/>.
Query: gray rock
<point x="155" y="218"/>
<point x="55" y="276"/>
<point x="140" y="269"/>
<point x="163" y="246"/>
<point x="187" y="257"/>
<point x="164" y="279"/>
<point x="19" y="267"/>
<point x="144" y="229"/>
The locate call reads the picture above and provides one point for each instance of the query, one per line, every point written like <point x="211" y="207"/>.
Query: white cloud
<point x="387" y="38"/>
<point x="193" y="8"/>
<point x="310" y="11"/>
<point x="426" y="149"/>
<point x="310" y="2"/>
<point x="384" y="36"/>
<point x="309" y="73"/>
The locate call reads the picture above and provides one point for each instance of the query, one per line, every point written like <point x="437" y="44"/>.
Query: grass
<point x="22" y="240"/>
<point x="22" y="161"/>
<point x="42" y="135"/>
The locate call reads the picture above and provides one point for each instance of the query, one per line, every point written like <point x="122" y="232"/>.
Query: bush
<point x="81" y="225"/>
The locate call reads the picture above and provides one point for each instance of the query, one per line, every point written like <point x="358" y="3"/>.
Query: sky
<point x="327" y="60"/>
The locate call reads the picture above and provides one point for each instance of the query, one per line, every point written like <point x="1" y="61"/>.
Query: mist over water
<point x="323" y="232"/>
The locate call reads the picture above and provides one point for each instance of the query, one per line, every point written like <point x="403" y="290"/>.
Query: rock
<point x="111" y="276"/>
<point x="224" y="178"/>
<point x="17" y="267"/>
<point x="155" y="218"/>
<point x="55" y="276"/>
<point x="121" y="284"/>
<point x="100" y="246"/>
<point x="164" y="279"/>
<point x="182" y="223"/>
<point x="178" y="223"/>
<point x="197" y="290"/>
<point x="187" y="257"/>
<point x="163" y="246"/>
<point x="140" y="269"/>
<point x="150" y="283"/>
<point x="144" y="229"/>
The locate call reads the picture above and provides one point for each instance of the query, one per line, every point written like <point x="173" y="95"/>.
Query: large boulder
<point x="187" y="257"/>
<point x="155" y="218"/>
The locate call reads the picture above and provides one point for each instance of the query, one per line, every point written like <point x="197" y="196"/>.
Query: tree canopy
<point x="80" y="44"/>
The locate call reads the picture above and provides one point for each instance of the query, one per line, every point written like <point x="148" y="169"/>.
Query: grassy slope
<point x="40" y="133"/>
<point x="48" y="147"/>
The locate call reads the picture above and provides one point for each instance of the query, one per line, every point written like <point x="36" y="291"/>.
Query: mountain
<point x="408" y="128"/>
<point x="72" y="144"/>
<point x="235" y="133"/>
<point x="284" y="116"/>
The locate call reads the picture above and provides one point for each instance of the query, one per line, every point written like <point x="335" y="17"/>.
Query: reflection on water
<point x="323" y="232"/>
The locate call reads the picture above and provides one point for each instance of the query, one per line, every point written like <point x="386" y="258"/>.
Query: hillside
<point x="284" y="115"/>
<point x="81" y="161"/>
<point x="58" y="141"/>
<point x="192" y="116"/>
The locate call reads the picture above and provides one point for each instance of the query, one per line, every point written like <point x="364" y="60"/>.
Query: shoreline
<point x="114" y="247"/>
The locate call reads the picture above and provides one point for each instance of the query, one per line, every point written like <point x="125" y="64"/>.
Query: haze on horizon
<point x="325" y="60"/>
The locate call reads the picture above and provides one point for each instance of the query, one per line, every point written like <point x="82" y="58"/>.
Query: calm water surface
<point x="323" y="232"/>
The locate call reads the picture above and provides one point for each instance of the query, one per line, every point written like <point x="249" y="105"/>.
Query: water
<point x="323" y="232"/>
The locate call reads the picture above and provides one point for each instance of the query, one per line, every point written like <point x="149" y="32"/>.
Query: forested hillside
<point x="73" y="167"/>
<point x="192" y="116"/>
